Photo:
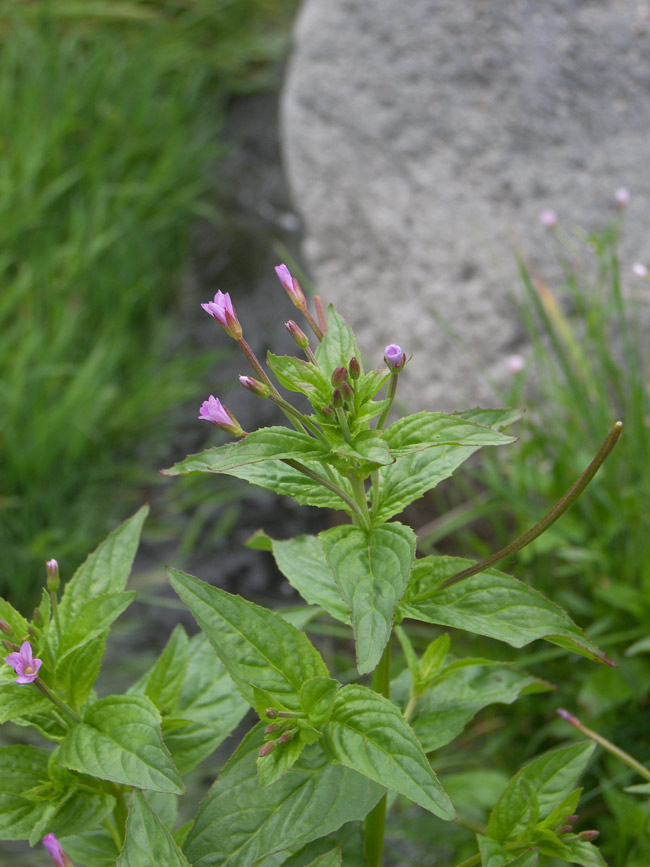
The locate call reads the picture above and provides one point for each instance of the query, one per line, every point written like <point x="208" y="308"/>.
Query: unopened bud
<point x="37" y="617"/>
<point x="347" y="391"/>
<point x="284" y="737"/>
<point x="566" y="829"/>
<point x="254" y="385"/>
<point x="354" y="368"/>
<point x="291" y="286"/>
<point x="340" y="375"/>
<point x="572" y="818"/>
<point x="394" y="357"/>
<point x="270" y="728"/>
<point x="4" y="627"/>
<point x="53" y="581"/>
<point x="568" y="717"/>
<point x="327" y="411"/>
<point x="271" y="713"/>
<point x="337" y="398"/>
<point x="589" y="835"/>
<point x="266" y="749"/>
<point x="10" y="645"/>
<point x="297" y="333"/>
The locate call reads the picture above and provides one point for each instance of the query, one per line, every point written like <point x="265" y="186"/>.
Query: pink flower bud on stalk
<point x="566" y="829"/>
<point x="255" y="386"/>
<point x="641" y="270"/>
<point x="298" y="334"/>
<point x="23" y="663"/>
<point x="347" y="391"/>
<point x="516" y="363"/>
<point x="285" y="737"/>
<point x="354" y="368"/>
<point x="339" y="375"/>
<point x="52" y="569"/>
<point x="589" y="835"/>
<point x="271" y="712"/>
<point x="4" y="627"/>
<point x="568" y="717"/>
<point x="56" y="852"/>
<point x="291" y="286"/>
<point x="327" y="411"/>
<point x="266" y="749"/>
<point x="9" y="645"/>
<point x="337" y="398"/>
<point x="394" y="357"/>
<point x="548" y="219"/>
<point x="213" y="411"/>
<point x="222" y="310"/>
<point x="622" y="198"/>
<point x="271" y="727"/>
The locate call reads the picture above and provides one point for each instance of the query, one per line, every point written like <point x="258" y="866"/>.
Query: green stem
<point x="392" y="389"/>
<point x="550" y="518"/>
<point x="61" y="705"/>
<point x="316" y="477"/>
<point x="113" y="832"/>
<point x="55" y="609"/>
<point x="410" y="707"/>
<point x="375" y="824"/>
<point x="361" y="498"/>
<point x="312" y="323"/>
<point x="608" y="745"/>
<point x="343" y="422"/>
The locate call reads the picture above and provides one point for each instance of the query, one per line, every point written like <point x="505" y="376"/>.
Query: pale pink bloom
<point x="23" y="663"/>
<point x="394" y="357"/>
<point x="641" y="271"/>
<point x="56" y="852"/>
<point x="548" y="219"/>
<point x="516" y="363"/>
<point x="214" y="411"/>
<point x="622" y="197"/>
<point x="291" y="286"/>
<point x="223" y="311"/>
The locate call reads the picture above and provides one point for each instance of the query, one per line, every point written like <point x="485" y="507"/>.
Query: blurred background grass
<point x="110" y="116"/>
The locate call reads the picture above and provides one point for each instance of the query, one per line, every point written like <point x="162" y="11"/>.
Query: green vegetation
<point x="109" y="116"/>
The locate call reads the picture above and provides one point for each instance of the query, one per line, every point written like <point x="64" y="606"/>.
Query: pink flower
<point x="516" y="363"/>
<point x="52" y="569"/>
<point x="291" y="285"/>
<point x="394" y="357"/>
<point x="641" y="270"/>
<point x="622" y="197"/>
<point x="55" y="851"/>
<point x="214" y="411"/>
<point x="548" y="219"/>
<point x="23" y="664"/>
<point x="223" y="311"/>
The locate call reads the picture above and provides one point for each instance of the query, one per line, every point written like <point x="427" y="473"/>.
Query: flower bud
<point x="327" y="411"/>
<point x="589" y="835"/>
<point x="254" y="385"/>
<point x="53" y="581"/>
<point x="55" y="851"/>
<point x="566" y="829"/>
<point x="285" y="737"/>
<point x="4" y="627"/>
<point x="270" y="728"/>
<point x="222" y="310"/>
<point x="568" y="717"/>
<point x="212" y="410"/>
<point x="548" y="219"/>
<point x="354" y="367"/>
<point x="266" y="749"/>
<point x="291" y="286"/>
<point x="271" y="713"/>
<point x="340" y="375"/>
<point x="9" y="645"/>
<point x="337" y="398"/>
<point x="297" y="333"/>
<point x="394" y="357"/>
<point x="347" y="391"/>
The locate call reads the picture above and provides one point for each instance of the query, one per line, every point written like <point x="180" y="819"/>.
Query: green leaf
<point x="106" y="570"/>
<point x="433" y="658"/>
<point x="92" y="848"/>
<point x="20" y="700"/>
<point x="257" y="647"/>
<point x="210" y="705"/>
<point x="552" y="777"/>
<point x="91" y="621"/>
<point x="329" y="859"/>
<point x="494" y="604"/>
<point x="164" y="682"/>
<point x="367" y="386"/>
<point x="273" y="767"/>
<point x="414" y="433"/>
<point x="372" y="569"/>
<point x="447" y="707"/>
<point x="119" y="740"/>
<point x="317" y="699"/>
<point x="494" y="855"/>
<point x="81" y="812"/>
<point x="495" y="418"/>
<point x="147" y="840"/>
<point x="239" y="822"/>
<point x="413" y="475"/>
<point x="367" y="447"/>
<point x="286" y="481"/>
<point x="77" y="678"/>
<point x="265" y="444"/>
<point x="368" y="733"/>
<point x="301" y="376"/>
<point x="16" y="621"/>
<point x="582" y="852"/>
<point x="338" y="345"/>
<point x="302" y="562"/>
<point x="22" y="768"/>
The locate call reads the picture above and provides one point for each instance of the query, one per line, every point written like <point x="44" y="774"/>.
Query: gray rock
<point x="423" y="138"/>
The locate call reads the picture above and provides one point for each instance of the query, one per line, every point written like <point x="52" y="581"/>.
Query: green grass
<point x="109" y="117"/>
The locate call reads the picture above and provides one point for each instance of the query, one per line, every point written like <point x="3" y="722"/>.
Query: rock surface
<point x="422" y="139"/>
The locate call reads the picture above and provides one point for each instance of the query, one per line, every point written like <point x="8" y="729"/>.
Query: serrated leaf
<point x="494" y="855"/>
<point x="91" y="621"/>
<point x="446" y="708"/>
<point x="265" y="444"/>
<point x="21" y="700"/>
<point x="329" y="859"/>
<point x="120" y="740"/>
<point x="372" y="569"/>
<point x="239" y="822"/>
<point x="433" y="658"/>
<point x="81" y="812"/>
<point x="301" y="376"/>
<point x="16" y="621"/>
<point x="338" y="345"/>
<point x="164" y="681"/>
<point x="93" y="848"/>
<point x="552" y="776"/>
<point x="22" y="768"/>
<point x="494" y="418"/>
<point x="317" y="699"/>
<point x="106" y="570"/>
<point x="367" y="386"/>
<point x="368" y="733"/>
<point x="147" y="840"/>
<point x="368" y="447"/>
<point x="257" y="647"/>
<point x="493" y="604"/>
<point x="414" y="433"/>
<point x="583" y="853"/>
<point x="273" y="767"/>
<point x="302" y="562"/>
<point x="77" y="678"/>
<point x="277" y="476"/>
